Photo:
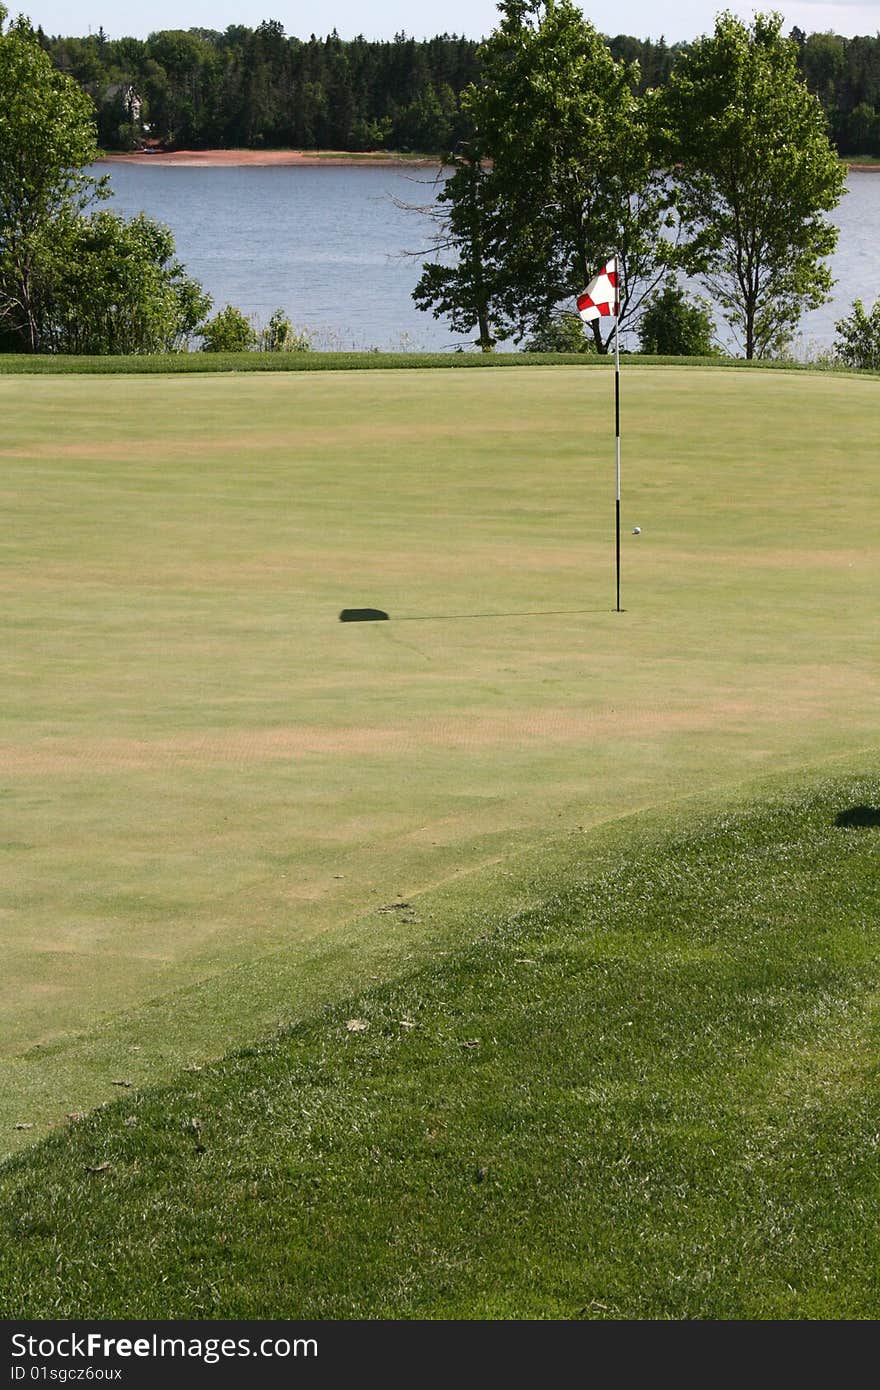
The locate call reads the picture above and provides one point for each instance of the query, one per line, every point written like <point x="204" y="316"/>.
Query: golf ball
<point x="637" y="530"/>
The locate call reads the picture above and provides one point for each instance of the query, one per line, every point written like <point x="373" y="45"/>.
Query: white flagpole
<point x="591" y="309"/>
<point x="617" y="419"/>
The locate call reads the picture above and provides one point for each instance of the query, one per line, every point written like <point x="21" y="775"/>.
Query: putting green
<point x="201" y="766"/>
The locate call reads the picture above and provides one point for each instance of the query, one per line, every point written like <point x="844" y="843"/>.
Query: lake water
<point x="329" y="246"/>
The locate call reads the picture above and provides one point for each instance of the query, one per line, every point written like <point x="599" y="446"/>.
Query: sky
<point x="382" y="19"/>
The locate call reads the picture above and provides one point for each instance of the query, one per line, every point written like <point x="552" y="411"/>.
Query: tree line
<point x="204" y="88"/>
<point x="259" y="87"/>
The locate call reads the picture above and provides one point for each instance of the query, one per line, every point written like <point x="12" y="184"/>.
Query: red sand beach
<point x="194" y="159"/>
<point x="208" y="159"/>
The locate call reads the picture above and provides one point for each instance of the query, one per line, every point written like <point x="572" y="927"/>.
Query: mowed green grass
<point x="210" y="786"/>
<point x="653" y="1094"/>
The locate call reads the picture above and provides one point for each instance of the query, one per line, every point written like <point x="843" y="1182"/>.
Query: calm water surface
<point x="328" y="245"/>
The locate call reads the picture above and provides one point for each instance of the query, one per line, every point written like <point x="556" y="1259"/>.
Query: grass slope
<point x="653" y="1094"/>
<point x="208" y="781"/>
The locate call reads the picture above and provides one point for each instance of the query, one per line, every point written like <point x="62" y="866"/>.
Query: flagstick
<point x="617" y="441"/>
<point x="602" y="297"/>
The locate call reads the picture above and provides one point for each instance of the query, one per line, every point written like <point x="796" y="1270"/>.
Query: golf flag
<point x="600" y="299"/>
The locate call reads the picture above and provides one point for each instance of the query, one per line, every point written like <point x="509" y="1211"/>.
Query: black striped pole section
<point x="617" y="424"/>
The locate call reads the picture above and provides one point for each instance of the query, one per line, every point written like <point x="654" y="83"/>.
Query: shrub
<point x="228" y="331"/>
<point x="858" y="338"/>
<point x="674" y="326"/>
<point x="111" y="284"/>
<point x="279" y="335"/>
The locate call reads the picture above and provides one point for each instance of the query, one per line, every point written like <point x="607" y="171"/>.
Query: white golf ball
<point x="637" y="530"/>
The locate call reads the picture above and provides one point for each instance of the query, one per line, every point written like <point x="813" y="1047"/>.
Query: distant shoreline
<point x="334" y="159"/>
<point x="209" y="159"/>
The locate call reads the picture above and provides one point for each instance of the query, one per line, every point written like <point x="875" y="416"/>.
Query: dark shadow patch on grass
<point x="375" y="615"/>
<point x="858" y="818"/>
<point x="363" y="615"/>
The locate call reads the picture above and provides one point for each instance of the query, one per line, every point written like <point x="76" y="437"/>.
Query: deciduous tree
<point x="114" y="285"/>
<point x="465" y="285"/>
<point x="47" y="137"/>
<point x="755" y="175"/>
<point x="573" y="176"/>
<point x="71" y="280"/>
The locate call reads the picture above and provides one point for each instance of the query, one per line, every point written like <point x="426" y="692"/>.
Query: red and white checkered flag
<point x="599" y="299"/>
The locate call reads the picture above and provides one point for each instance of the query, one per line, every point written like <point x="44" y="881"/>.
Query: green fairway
<point x="208" y="781"/>
<point x="654" y="1094"/>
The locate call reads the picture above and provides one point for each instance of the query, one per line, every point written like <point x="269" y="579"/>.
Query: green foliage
<point x="573" y="174"/>
<point x="113" y="285"/>
<point x="228" y="331"/>
<point x="466" y="284"/>
<point x="863" y="130"/>
<point x="231" y="331"/>
<point x="46" y="139"/>
<point x="116" y="128"/>
<point x="262" y="88"/>
<point x="858" y="338"/>
<point x="844" y="74"/>
<point x="674" y="326"/>
<point x="279" y="335"/>
<point x="560" y="333"/>
<point x="70" y="281"/>
<point x="755" y="172"/>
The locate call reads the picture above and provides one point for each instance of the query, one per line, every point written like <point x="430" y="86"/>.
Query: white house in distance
<point x="125" y="94"/>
